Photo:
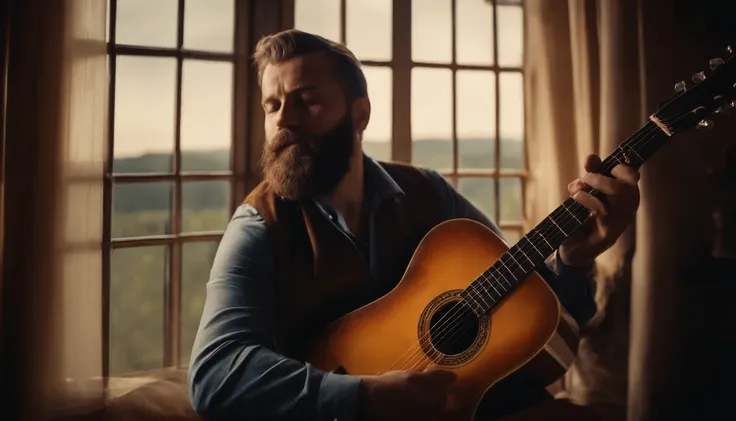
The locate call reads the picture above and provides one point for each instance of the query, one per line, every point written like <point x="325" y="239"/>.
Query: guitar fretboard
<point x="537" y="245"/>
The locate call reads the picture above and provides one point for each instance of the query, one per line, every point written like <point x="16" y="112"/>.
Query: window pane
<point x="369" y="28"/>
<point x="431" y="117"/>
<point x="321" y="17"/>
<point x="206" y="115"/>
<point x="512" y="120"/>
<point x="206" y="205"/>
<point x="196" y="263"/>
<point x="208" y="25"/>
<point x="511" y="208"/>
<point x="146" y="23"/>
<point x="377" y="136"/>
<point x="474" y="32"/>
<point x="137" y="278"/>
<point x="145" y="110"/>
<point x="510" y="35"/>
<point x="476" y="118"/>
<point x="481" y="193"/>
<point x="141" y="209"/>
<point x="512" y="235"/>
<point x="431" y="31"/>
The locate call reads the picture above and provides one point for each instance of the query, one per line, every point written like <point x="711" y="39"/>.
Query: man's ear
<point x="361" y="113"/>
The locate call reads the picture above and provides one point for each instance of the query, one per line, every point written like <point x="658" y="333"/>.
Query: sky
<point x="145" y="86"/>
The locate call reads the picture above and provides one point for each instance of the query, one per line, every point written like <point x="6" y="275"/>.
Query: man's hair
<point x="285" y="45"/>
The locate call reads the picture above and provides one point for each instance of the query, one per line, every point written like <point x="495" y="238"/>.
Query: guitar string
<point x="637" y="142"/>
<point x="566" y="218"/>
<point x="442" y="332"/>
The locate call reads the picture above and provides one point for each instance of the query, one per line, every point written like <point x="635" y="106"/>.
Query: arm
<point x="575" y="287"/>
<point x="233" y="371"/>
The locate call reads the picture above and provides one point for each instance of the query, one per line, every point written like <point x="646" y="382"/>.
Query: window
<point x="441" y="74"/>
<point x="445" y="78"/>
<point x="171" y="182"/>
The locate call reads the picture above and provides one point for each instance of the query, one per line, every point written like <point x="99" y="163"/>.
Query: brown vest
<point x="320" y="275"/>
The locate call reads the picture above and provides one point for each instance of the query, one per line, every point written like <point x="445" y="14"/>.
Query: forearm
<point x="253" y="382"/>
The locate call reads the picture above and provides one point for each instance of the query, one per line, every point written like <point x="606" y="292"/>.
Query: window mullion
<point x="343" y="22"/>
<point x="242" y="73"/>
<point x="107" y="198"/>
<point x="401" y="140"/>
<point x="173" y="280"/>
<point x="497" y="100"/>
<point x="453" y="48"/>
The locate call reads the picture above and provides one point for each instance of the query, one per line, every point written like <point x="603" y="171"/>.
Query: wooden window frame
<point x="246" y="139"/>
<point x="239" y="149"/>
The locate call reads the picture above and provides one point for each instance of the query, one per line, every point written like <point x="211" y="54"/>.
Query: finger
<point x="591" y="203"/>
<point x="576" y="186"/>
<point x="606" y="185"/>
<point x="440" y="377"/>
<point x="592" y="162"/>
<point x="626" y="174"/>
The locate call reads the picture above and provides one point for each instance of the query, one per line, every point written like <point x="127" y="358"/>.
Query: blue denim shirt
<point x="233" y="371"/>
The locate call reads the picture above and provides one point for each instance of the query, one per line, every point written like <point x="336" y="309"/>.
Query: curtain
<point x="583" y="93"/>
<point x="51" y="262"/>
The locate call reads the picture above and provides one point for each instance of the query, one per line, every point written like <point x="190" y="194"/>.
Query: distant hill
<point x="473" y="154"/>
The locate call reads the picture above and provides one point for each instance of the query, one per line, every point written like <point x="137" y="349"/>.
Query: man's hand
<point x="610" y="219"/>
<point x="404" y="395"/>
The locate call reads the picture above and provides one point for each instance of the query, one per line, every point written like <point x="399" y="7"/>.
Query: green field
<point x="138" y="277"/>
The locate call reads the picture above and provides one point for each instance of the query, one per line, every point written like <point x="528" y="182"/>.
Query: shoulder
<point x="244" y="248"/>
<point x="247" y="230"/>
<point x="411" y="175"/>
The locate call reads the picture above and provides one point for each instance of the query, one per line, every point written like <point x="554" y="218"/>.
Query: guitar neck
<point x="537" y="245"/>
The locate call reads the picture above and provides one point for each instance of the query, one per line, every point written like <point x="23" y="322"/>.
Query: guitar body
<point x="524" y="334"/>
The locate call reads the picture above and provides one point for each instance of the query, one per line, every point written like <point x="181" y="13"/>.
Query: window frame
<point x="252" y="20"/>
<point x="237" y="175"/>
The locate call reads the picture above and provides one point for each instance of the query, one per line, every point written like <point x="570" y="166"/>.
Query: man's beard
<point x="300" y="166"/>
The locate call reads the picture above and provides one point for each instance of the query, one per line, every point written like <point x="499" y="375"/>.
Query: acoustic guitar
<point x="470" y="304"/>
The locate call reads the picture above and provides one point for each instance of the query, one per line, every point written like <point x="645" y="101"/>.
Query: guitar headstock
<point x="710" y="94"/>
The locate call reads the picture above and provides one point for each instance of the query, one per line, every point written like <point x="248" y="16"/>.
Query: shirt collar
<point x="379" y="185"/>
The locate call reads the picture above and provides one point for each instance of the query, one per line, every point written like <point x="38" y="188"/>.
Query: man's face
<point x="310" y="136"/>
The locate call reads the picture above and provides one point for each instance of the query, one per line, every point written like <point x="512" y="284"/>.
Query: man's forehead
<point x="306" y="69"/>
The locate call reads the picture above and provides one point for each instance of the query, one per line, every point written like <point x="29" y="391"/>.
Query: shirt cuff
<point x="571" y="281"/>
<point x="571" y="271"/>
<point x="338" y="397"/>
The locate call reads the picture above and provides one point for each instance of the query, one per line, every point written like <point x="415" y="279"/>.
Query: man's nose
<point x="287" y="118"/>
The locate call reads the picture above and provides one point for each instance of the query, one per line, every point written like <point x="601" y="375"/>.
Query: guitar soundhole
<point x="454" y="328"/>
<point x="456" y="334"/>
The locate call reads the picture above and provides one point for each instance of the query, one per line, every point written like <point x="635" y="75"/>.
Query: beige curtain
<point x="584" y="95"/>
<point x="51" y="261"/>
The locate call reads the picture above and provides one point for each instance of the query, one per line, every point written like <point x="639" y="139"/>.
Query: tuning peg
<point x="680" y="86"/>
<point x="724" y="107"/>
<point x="715" y="62"/>
<point x="705" y="124"/>
<point x="729" y="50"/>
<point x="699" y="77"/>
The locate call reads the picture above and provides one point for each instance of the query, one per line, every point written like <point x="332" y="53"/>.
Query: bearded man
<point x="329" y="230"/>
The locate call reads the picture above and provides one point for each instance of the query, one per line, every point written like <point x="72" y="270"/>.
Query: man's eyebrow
<point x="298" y="89"/>
<point x="302" y="88"/>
